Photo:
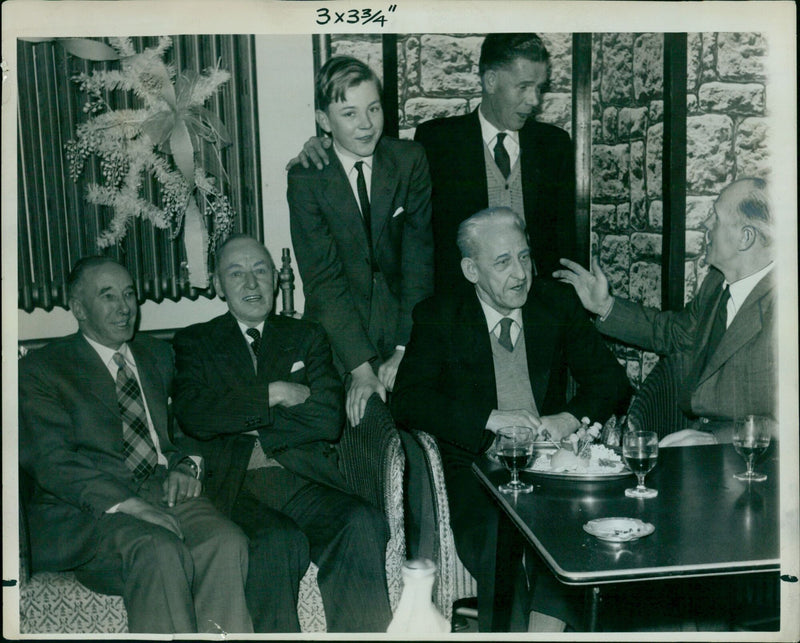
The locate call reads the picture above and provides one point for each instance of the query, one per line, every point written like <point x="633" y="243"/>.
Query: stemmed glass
<point x="640" y="450"/>
<point x="751" y="436"/>
<point x="514" y="447"/>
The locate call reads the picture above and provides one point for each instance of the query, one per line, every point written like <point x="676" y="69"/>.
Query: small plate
<point x="618" y="530"/>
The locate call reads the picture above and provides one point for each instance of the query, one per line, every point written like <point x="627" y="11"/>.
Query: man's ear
<point x="322" y="120"/>
<point x="748" y="238"/>
<point x="490" y="80"/>
<point x="469" y="269"/>
<point x="78" y="309"/>
<point x="218" y="287"/>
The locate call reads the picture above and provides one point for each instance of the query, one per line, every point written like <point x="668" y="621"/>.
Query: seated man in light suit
<point x="496" y="355"/>
<point x="724" y="340"/>
<point x="114" y="500"/>
<point x="261" y="394"/>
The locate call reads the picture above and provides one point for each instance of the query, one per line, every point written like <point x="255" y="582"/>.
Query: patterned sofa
<point x="373" y="462"/>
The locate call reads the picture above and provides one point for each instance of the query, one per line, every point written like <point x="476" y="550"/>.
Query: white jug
<point x="416" y="612"/>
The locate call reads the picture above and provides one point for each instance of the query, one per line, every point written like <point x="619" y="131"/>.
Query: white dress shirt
<point x="740" y="290"/>
<point x="349" y="164"/>
<point x="493" y="319"/>
<point x="489" y="133"/>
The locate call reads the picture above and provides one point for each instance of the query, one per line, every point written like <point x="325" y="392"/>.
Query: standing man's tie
<point x="505" y="334"/>
<point x="501" y="156"/>
<point x="137" y="445"/>
<point x="363" y="197"/>
<point x="719" y="325"/>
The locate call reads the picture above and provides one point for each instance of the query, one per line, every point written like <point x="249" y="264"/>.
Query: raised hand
<point x="591" y="287"/>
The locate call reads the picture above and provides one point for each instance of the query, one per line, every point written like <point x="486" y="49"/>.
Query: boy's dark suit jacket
<point x="71" y="441"/>
<point x="333" y="256"/>
<point x="219" y="398"/>
<point x="455" y="151"/>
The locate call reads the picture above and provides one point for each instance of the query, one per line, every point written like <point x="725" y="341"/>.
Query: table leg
<point x="592" y="607"/>
<point x="496" y="598"/>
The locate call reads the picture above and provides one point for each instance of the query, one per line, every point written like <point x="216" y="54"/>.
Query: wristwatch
<point x="192" y="465"/>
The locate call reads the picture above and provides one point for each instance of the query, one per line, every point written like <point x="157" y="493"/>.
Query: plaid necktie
<point x="137" y="445"/>
<point x="256" y="343"/>
<point x="501" y="156"/>
<point x="505" y="334"/>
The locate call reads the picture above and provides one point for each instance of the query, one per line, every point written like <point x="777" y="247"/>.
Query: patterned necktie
<point x="505" y="334"/>
<point x="719" y="325"/>
<point x="363" y="197"/>
<point x="501" y="156"/>
<point x="137" y="445"/>
<point x="256" y="343"/>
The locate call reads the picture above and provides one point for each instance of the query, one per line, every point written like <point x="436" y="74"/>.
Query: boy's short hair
<point x="338" y="75"/>
<point x="502" y="49"/>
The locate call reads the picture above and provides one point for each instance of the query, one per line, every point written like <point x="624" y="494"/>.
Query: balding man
<point x="724" y="339"/>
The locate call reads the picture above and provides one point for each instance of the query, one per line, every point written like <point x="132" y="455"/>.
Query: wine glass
<point x="640" y="450"/>
<point x="514" y="447"/>
<point x="751" y="436"/>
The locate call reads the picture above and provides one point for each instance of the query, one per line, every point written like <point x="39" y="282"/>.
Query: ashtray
<point x="618" y="530"/>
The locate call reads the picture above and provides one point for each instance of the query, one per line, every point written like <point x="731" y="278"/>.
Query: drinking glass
<point x="751" y="436"/>
<point x="640" y="450"/>
<point x="514" y="447"/>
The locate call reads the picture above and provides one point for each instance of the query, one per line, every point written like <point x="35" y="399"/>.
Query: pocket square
<point x="398" y="212"/>
<point x="297" y="366"/>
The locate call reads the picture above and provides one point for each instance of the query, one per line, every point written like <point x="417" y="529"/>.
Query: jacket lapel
<point x="93" y="374"/>
<point x="539" y="343"/>
<point x="227" y="341"/>
<point x="336" y="191"/>
<point x="472" y="164"/>
<point x="385" y="179"/>
<point x="152" y="390"/>
<point x="277" y="351"/>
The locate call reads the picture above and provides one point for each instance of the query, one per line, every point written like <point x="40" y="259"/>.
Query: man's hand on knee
<point x="179" y="487"/>
<point x="142" y="510"/>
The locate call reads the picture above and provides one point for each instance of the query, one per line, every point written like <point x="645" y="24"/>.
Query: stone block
<point x="632" y="122"/>
<point x="648" y="67"/>
<point x="645" y="246"/>
<point x="732" y="98"/>
<point x="649" y="360"/>
<point x="645" y="283"/>
<point x="367" y="49"/>
<point x="597" y="132"/>
<point x="597" y="61"/>
<point x="695" y="243"/>
<point x="694" y="46"/>
<point x="692" y="104"/>
<point x="741" y="56"/>
<point x="653" y="156"/>
<point x="623" y="215"/>
<point x="419" y="110"/>
<point x="698" y="209"/>
<point x="449" y="64"/>
<point x="594" y="243"/>
<point x="410" y="69"/>
<point x="604" y="217"/>
<point x="709" y="153"/>
<point x="610" y="124"/>
<point x="597" y="106"/>
<point x="615" y="259"/>
<point x="702" y="270"/>
<point x="689" y="282"/>
<point x="751" y="149"/>
<point x="557" y="110"/>
<point x="655" y="215"/>
<point x="709" y="57"/>
<point x="616" y="84"/>
<point x="610" y="172"/>
<point x="638" y="200"/>
<point x="655" y="111"/>
<point x="559" y="46"/>
<point x="407" y="134"/>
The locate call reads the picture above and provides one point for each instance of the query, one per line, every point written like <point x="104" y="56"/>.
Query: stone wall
<point x="726" y="134"/>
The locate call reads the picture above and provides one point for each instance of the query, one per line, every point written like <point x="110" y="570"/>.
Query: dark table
<point x="706" y="522"/>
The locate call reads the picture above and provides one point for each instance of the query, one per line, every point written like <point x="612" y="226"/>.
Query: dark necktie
<point x="137" y="445"/>
<point x="501" y="156"/>
<point x="363" y="197"/>
<point x="719" y="324"/>
<point x="256" y="343"/>
<point x="505" y="334"/>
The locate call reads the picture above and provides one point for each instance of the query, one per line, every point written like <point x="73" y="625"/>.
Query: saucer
<point x="618" y="530"/>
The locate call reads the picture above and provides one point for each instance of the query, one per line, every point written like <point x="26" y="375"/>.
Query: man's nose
<point x="533" y="97"/>
<point x="250" y="280"/>
<point x="517" y="270"/>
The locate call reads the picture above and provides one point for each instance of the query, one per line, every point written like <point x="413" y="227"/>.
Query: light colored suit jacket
<point x="740" y="377"/>
<point x="333" y="256"/>
<point x="71" y="441"/>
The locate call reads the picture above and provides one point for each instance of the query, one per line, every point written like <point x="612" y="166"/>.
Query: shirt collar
<point x="493" y="317"/>
<point x="740" y="290"/>
<point x="107" y="354"/>
<point x="489" y="132"/>
<point x="348" y="161"/>
<point x="244" y="328"/>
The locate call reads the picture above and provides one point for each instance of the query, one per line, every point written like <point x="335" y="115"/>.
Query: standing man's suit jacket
<point x="219" y="399"/>
<point x="71" y="441"/>
<point x="333" y="255"/>
<point x="446" y="383"/>
<point x="740" y="377"/>
<point x="455" y="151"/>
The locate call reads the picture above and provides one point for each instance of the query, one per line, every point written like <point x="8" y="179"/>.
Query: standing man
<point x="361" y="230"/>
<point x="496" y="355"/>
<point x="114" y="500"/>
<point x="261" y="393"/>
<point x="724" y="340"/>
<point x="497" y="156"/>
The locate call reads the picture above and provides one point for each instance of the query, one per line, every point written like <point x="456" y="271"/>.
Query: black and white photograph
<point x="402" y="320"/>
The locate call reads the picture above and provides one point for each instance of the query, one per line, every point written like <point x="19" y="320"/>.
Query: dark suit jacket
<point x="71" y="441"/>
<point x="333" y="256"/>
<point x="446" y="385"/>
<point x="219" y="399"/>
<point x="454" y="147"/>
<point x="740" y="377"/>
